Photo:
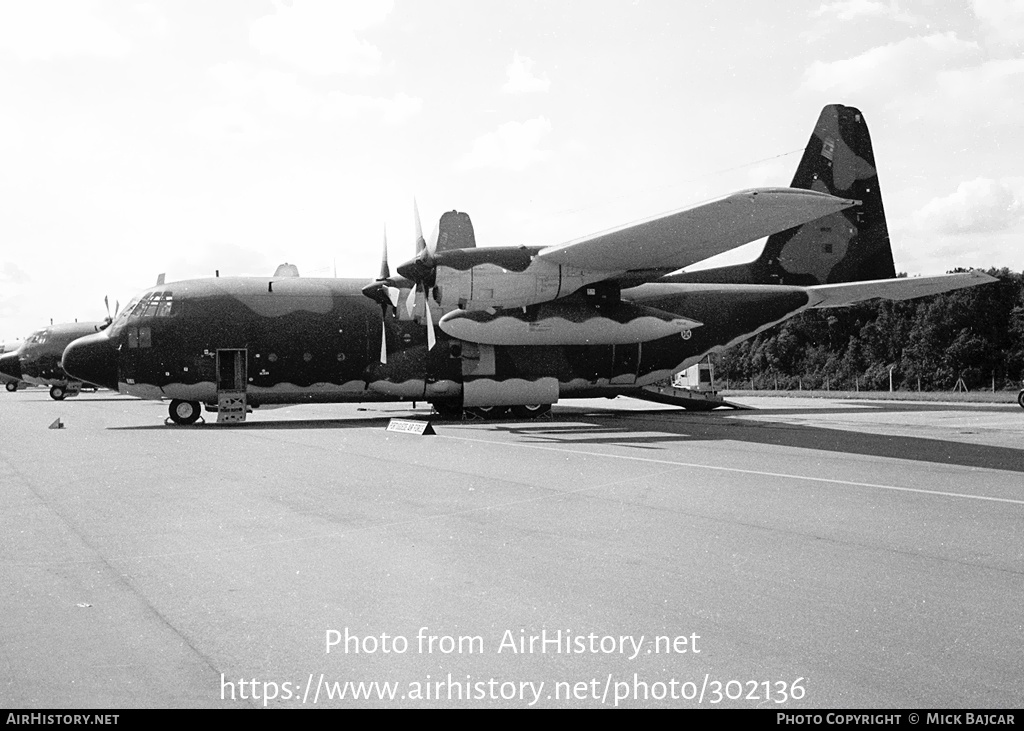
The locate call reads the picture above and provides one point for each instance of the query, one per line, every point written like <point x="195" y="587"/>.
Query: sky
<point x="189" y="136"/>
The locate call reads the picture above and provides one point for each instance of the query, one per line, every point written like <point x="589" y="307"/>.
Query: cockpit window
<point x="166" y="305"/>
<point x="37" y="338"/>
<point x="153" y="304"/>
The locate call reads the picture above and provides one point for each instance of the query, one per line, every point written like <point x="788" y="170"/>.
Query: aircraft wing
<point x="678" y="239"/>
<point x="841" y="295"/>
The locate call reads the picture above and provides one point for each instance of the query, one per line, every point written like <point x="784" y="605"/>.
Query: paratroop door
<point x="231" y="383"/>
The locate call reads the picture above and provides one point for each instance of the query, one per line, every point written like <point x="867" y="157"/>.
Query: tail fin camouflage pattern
<point x="849" y="246"/>
<point x="455" y="231"/>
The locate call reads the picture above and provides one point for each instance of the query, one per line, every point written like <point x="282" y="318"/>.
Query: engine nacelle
<point x="488" y="285"/>
<point x="496" y="277"/>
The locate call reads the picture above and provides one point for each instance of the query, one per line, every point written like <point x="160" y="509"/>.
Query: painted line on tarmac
<point x="738" y="470"/>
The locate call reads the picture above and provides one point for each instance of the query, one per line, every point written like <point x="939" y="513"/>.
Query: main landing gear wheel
<point x="1020" y="399"/>
<point x="487" y="412"/>
<point x="448" y="412"/>
<point x="57" y="393"/>
<point x="530" y="411"/>
<point x="184" y="412"/>
<point x="12" y="386"/>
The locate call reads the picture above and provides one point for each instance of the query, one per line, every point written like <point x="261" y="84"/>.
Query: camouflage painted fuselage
<point x="38" y="359"/>
<point x="319" y="340"/>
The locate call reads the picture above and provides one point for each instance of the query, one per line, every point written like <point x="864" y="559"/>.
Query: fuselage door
<point x="231" y="384"/>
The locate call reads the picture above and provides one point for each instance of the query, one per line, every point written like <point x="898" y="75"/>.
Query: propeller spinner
<point x="420" y="271"/>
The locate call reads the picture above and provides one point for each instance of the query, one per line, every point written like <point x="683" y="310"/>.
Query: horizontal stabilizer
<point x="678" y="239"/>
<point x="664" y="393"/>
<point x="841" y="295"/>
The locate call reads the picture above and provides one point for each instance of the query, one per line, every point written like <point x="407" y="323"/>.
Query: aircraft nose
<point x="92" y="359"/>
<point x="10" y="365"/>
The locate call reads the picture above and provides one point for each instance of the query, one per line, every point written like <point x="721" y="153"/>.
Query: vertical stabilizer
<point x="455" y="231"/>
<point x="849" y="246"/>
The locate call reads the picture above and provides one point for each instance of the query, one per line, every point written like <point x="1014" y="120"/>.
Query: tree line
<point x="928" y="344"/>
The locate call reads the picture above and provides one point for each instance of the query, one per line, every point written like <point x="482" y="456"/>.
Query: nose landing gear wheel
<point x="184" y="412"/>
<point x="11" y="386"/>
<point x="57" y="393"/>
<point x="1020" y="399"/>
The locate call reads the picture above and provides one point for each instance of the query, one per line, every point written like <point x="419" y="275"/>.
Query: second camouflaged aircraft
<point x="519" y="327"/>
<point x="37" y="361"/>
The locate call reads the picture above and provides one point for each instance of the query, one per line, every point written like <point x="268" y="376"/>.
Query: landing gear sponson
<point x="186" y="413"/>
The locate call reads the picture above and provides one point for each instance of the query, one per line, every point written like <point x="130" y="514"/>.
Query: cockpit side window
<point x="139" y="307"/>
<point x="127" y="310"/>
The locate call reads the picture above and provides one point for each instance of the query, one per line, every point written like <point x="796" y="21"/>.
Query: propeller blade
<point x="106" y="303"/>
<point x="393" y="293"/>
<point x="117" y="307"/>
<point x="431" y="338"/>
<point x="385" y="272"/>
<point x="383" y="342"/>
<point x="410" y="303"/>
<point x="421" y="244"/>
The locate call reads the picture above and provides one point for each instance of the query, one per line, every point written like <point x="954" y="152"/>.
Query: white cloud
<point x="983" y="205"/>
<point x="513" y="146"/>
<point x="855" y="9"/>
<point x="393" y="111"/>
<point x="281" y="91"/>
<point x="992" y="92"/>
<point x="148" y="19"/>
<point x="227" y="124"/>
<point x="11" y="273"/>
<point x="320" y="36"/>
<point x="283" y="94"/>
<point x="1002" y="23"/>
<point x="892" y="67"/>
<point x="521" y="79"/>
<point x="44" y="29"/>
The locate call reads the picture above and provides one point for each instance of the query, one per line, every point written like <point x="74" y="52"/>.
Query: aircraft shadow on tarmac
<point x="680" y="426"/>
<point x="634" y="429"/>
<point x="377" y="422"/>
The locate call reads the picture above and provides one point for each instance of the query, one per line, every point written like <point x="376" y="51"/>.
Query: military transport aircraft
<point x="10" y="346"/>
<point x="487" y="330"/>
<point x="38" y="360"/>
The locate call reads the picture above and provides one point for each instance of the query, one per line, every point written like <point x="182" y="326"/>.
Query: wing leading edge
<point x="678" y="239"/>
